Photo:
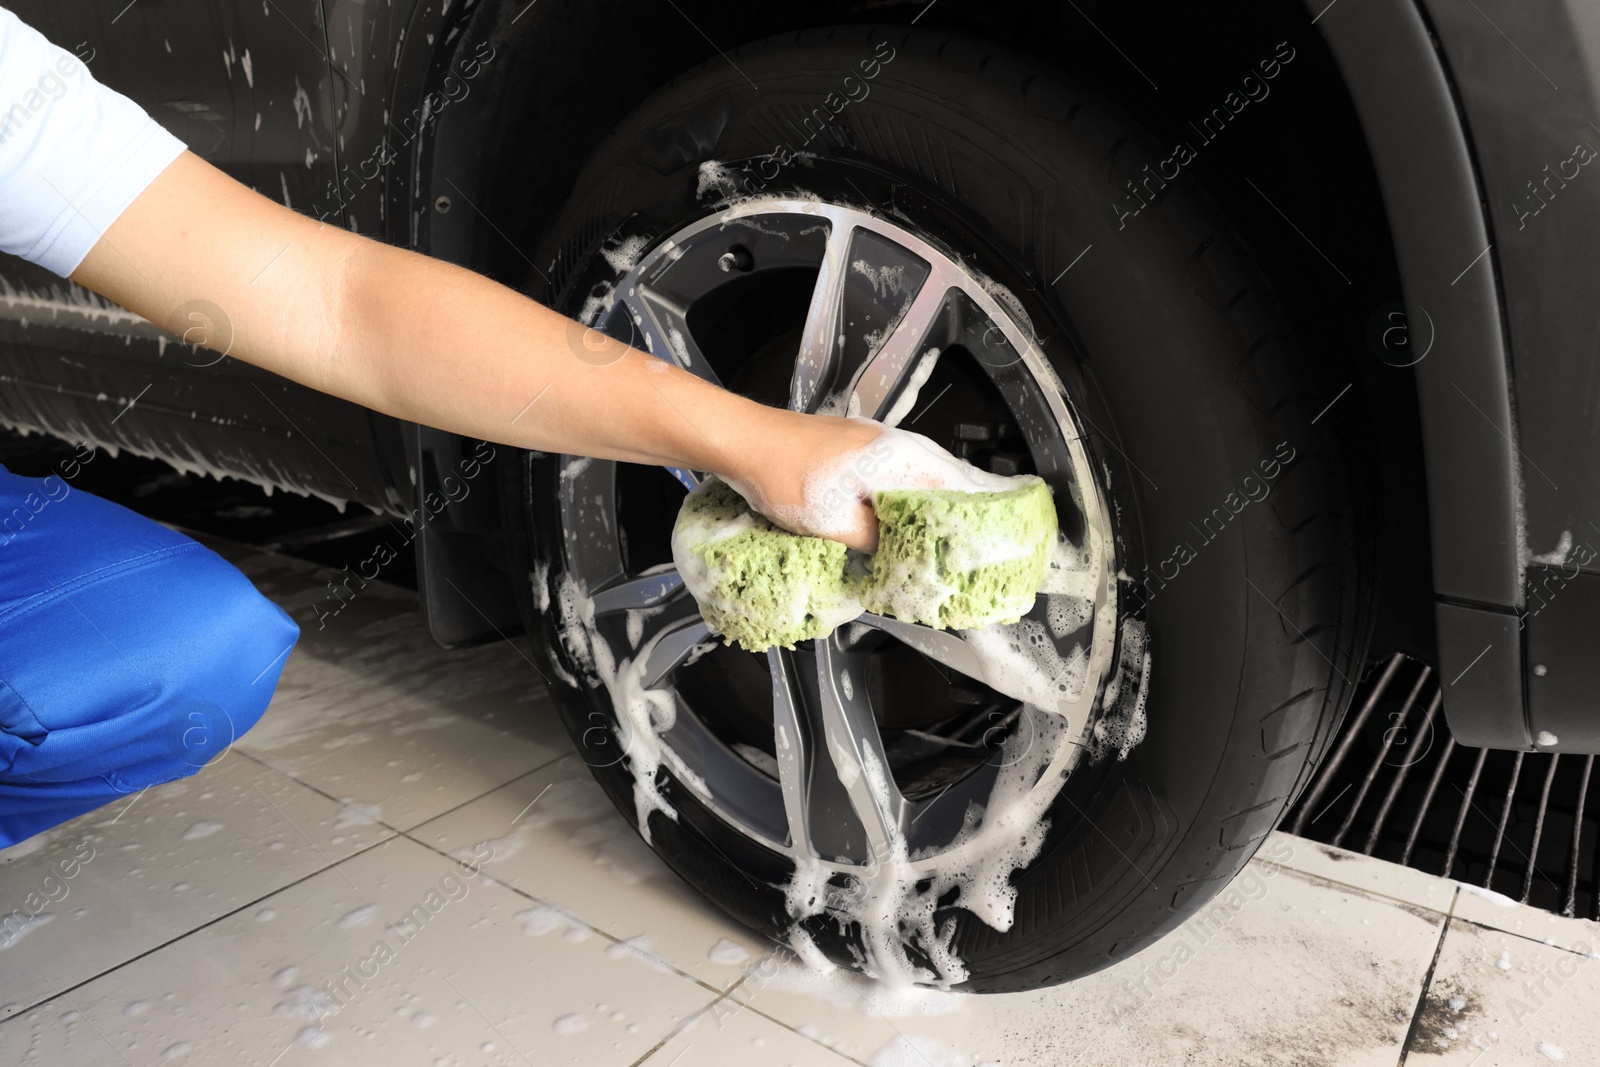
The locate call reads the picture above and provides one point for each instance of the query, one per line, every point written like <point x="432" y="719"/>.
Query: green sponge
<point x="759" y="585"/>
<point x="959" y="560"/>
<point x="946" y="558"/>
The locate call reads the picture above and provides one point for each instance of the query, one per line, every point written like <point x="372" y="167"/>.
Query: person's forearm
<point x="406" y="335"/>
<point x="432" y="343"/>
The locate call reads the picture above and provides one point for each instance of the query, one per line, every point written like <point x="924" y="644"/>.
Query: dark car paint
<point x="381" y="143"/>
<point x="1529" y="86"/>
<point x="249" y="92"/>
<point x="1501" y="276"/>
<point x="1425" y="167"/>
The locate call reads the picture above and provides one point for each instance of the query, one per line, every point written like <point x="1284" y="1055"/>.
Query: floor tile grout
<point x="779" y="1022"/>
<point x="1520" y="937"/>
<point x="1450" y="912"/>
<point x="1371" y="892"/>
<point x="525" y="895"/>
<point x="1427" y="981"/>
<point x="432" y="818"/>
<point x="321" y="793"/>
<point x="721" y="995"/>
<point x="203" y="926"/>
<point x="684" y="1023"/>
<point x="546" y="765"/>
<point x="393" y="833"/>
<point x="1314" y="878"/>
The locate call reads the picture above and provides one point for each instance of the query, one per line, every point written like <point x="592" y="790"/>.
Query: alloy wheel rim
<point x="884" y="296"/>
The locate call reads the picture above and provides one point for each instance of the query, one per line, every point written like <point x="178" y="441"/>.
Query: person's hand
<point x="803" y="472"/>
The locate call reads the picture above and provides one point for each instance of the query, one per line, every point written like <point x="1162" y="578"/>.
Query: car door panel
<point x="247" y="87"/>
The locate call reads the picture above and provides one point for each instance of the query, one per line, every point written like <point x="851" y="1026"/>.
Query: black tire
<point x="1175" y="350"/>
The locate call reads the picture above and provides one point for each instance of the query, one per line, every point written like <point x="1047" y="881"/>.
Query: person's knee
<point x="242" y="643"/>
<point x="137" y="658"/>
<point x="220" y="647"/>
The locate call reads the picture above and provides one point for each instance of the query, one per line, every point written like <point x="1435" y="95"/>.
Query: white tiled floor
<point x="257" y="915"/>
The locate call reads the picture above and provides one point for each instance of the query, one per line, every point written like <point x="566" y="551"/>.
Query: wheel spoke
<point x="645" y="591"/>
<point x="820" y="337"/>
<point x="862" y="298"/>
<point x="791" y="742"/>
<point x="955" y="651"/>
<point x="659" y="327"/>
<point x="651" y="615"/>
<point x="855" y="747"/>
<point x="678" y="638"/>
<point x="900" y="355"/>
<point x="666" y="330"/>
<point x="842" y="801"/>
<point x="942" y="646"/>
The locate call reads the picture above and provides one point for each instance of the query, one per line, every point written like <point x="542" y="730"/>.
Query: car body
<point x="1434" y="155"/>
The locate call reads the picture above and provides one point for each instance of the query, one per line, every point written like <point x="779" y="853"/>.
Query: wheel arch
<point x="1422" y="153"/>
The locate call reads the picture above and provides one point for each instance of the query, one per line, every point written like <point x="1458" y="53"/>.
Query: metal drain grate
<point x="1398" y="787"/>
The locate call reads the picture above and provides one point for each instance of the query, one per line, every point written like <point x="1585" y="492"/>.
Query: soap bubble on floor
<point x="916" y="1050"/>
<point x="727" y="954"/>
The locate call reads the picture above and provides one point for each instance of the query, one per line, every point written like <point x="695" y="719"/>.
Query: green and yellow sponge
<point x="759" y="585"/>
<point x="958" y="560"/>
<point x="946" y="558"/>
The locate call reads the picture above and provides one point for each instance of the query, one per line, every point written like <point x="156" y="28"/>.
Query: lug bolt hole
<point x="737" y="258"/>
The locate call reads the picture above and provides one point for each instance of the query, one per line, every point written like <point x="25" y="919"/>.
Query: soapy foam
<point x="637" y="617"/>
<point x="713" y="176"/>
<point x="727" y="954"/>
<point x="919" y="1050"/>
<point x="625" y="256"/>
<point x="539" y="583"/>
<point x="641" y="713"/>
<point x="1026" y="656"/>
<point x="638" y="949"/>
<point x="1122" y="722"/>
<point x="576" y="613"/>
<point x="904" y="941"/>
<point x="599" y="301"/>
<point x="679" y="346"/>
<point x="1073" y="569"/>
<point x="757" y="759"/>
<point x="1497" y="899"/>
<point x="897" y="459"/>
<point x="815" y="977"/>
<point x="699" y="651"/>
<point x="1067" y="614"/>
<point x="548" y="918"/>
<point x="885" y="280"/>
<point x="913" y="387"/>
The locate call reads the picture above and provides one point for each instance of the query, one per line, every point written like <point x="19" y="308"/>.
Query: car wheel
<point x="947" y="244"/>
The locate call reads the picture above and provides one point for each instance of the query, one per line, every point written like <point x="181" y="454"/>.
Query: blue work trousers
<point x="130" y="655"/>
